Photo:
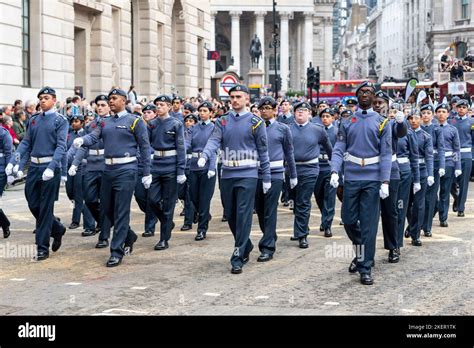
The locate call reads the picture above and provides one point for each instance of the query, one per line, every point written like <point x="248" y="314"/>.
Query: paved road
<point x="194" y="277"/>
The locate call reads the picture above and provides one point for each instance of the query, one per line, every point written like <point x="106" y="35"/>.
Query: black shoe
<point x="341" y="223"/>
<point x="88" y="233"/>
<point x="128" y="248"/>
<point x="40" y="256"/>
<point x="97" y="230"/>
<point x="327" y="233"/>
<point x="57" y="241"/>
<point x="428" y="234"/>
<point x="416" y="242"/>
<point x="303" y="243"/>
<point x="353" y="266"/>
<point x="162" y="245"/>
<point x="173" y="225"/>
<point x="246" y="257"/>
<point x="460" y="213"/>
<point x="321" y="228"/>
<point x="455" y="205"/>
<point x="113" y="261"/>
<point x="224" y="219"/>
<point x="407" y="232"/>
<point x="6" y="232"/>
<point x="264" y="257"/>
<point x="186" y="227"/>
<point x="393" y="256"/>
<point x="236" y="270"/>
<point x="366" y="279"/>
<point x="200" y="236"/>
<point x="182" y="213"/>
<point x="104" y="243"/>
<point x="34" y="231"/>
<point x="286" y="204"/>
<point x="294" y="238"/>
<point x="73" y="225"/>
<point x="148" y="234"/>
<point x="443" y="224"/>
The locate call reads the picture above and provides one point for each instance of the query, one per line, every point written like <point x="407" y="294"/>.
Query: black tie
<point x="204" y="123"/>
<point x="364" y="112"/>
<point x="284" y="117"/>
<point x="267" y="123"/>
<point x="237" y="115"/>
<point x="326" y="128"/>
<point x="301" y="125"/>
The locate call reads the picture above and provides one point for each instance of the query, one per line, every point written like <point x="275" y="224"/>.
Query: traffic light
<point x="316" y="79"/>
<point x="310" y="77"/>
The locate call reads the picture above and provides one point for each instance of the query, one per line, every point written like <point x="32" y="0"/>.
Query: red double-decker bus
<point x="333" y="91"/>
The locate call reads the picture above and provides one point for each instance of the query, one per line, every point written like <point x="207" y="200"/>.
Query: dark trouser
<point x="430" y="200"/>
<point x="162" y="196"/>
<point x="404" y="189"/>
<point x="239" y="198"/>
<point x="417" y="209"/>
<point x="219" y="180"/>
<point x="141" y="196"/>
<point x="116" y="198"/>
<point x="92" y="183"/>
<point x="463" y="181"/>
<point x="4" y="222"/>
<point x="445" y="185"/>
<point x="362" y="203"/>
<point x="285" y="190"/>
<point x="302" y="207"/>
<point x="41" y="197"/>
<point x="266" y="206"/>
<point x="201" y="190"/>
<point x="75" y="193"/>
<point x="325" y="196"/>
<point x="183" y="194"/>
<point x="389" y="214"/>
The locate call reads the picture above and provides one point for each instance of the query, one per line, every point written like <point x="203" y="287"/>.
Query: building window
<point x="200" y="18"/>
<point x="25" y="16"/>
<point x="464" y="9"/>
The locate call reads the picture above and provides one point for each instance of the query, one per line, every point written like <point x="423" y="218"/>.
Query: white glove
<point x="48" y="174"/>
<point x="399" y="117"/>
<point x="10" y="179"/>
<point x="63" y="181"/>
<point x="146" y="181"/>
<point x="384" y="193"/>
<point x="210" y="174"/>
<point x="78" y="142"/>
<point x="334" y="182"/>
<point x="457" y="173"/>
<point x="293" y="183"/>
<point x="201" y="162"/>
<point x="19" y="175"/>
<point x="15" y="169"/>
<point x="9" y="169"/>
<point x="416" y="187"/>
<point x="181" y="179"/>
<point x="266" y="187"/>
<point x="441" y="172"/>
<point x="72" y="170"/>
<point x="430" y="181"/>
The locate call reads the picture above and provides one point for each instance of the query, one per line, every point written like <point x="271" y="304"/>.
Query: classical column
<point x="235" y="38"/>
<point x="308" y="39"/>
<point x="212" y="43"/>
<point x="328" y="59"/>
<point x="284" y="50"/>
<point x="260" y="31"/>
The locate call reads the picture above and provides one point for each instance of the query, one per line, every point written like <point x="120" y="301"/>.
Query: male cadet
<point x="416" y="210"/>
<point x="176" y="108"/>
<point x="287" y="118"/>
<point x="351" y="104"/>
<point x="323" y="104"/>
<point x="453" y="112"/>
<point x="243" y="138"/>
<point x="280" y="148"/>
<point x="308" y="137"/>
<point x="6" y="150"/>
<point x="123" y="134"/>
<point x="169" y="160"/>
<point x="324" y="193"/>
<point x="453" y="161"/>
<point x="465" y="127"/>
<point x="141" y="193"/>
<point x="45" y="144"/>
<point x="367" y="168"/>
<point x="439" y="165"/>
<point x="388" y="206"/>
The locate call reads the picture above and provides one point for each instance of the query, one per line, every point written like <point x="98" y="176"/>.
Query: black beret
<point x="189" y="107"/>
<point x="176" y="97"/>
<point x="47" y="90"/>
<point x="382" y="95"/>
<point x="192" y="116"/>
<point x="346" y="113"/>
<point x="323" y="102"/>
<point x="149" y="107"/>
<point x="285" y="101"/>
<point x="462" y="102"/>
<point x="118" y="91"/>
<point x="302" y="105"/>
<point x="267" y="101"/>
<point x="326" y="111"/>
<point x="442" y="106"/>
<point x="239" y="88"/>
<point x="351" y="102"/>
<point x="163" y="98"/>
<point x="100" y="97"/>
<point x="427" y="107"/>
<point x="365" y="84"/>
<point x="77" y="117"/>
<point x="206" y="104"/>
<point x="455" y="99"/>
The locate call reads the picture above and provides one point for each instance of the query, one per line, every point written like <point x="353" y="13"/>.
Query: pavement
<point x="193" y="278"/>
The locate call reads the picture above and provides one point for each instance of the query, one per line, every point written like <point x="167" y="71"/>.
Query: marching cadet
<point x="388" y="206"/>
<point x="6" y="150"/>
<point x="367" y="142"/>
<point x="465" y="127"/>
<point x="324" y="193"/>
<point x="176" y="108"/>
<point x="243" y="138"/>
<point x="123" y="134"/>
<point x="351" y="104"/>
<point x="285" y="116"/>
<point x="169" y="160"/>
<point x="345" y="115"/>
<point x="323" y="104"/>
<point x="439" y="165"/>
<point x="202" y="181"/>
<point x="280" y="148"/>
<point x="308" y="137"/>
<point x="416" y="209"/>
<point x="141" y="193"/>
<point x="453" y="112"/>
<point x="453" y="162"/>
<point x="45" y="144"/>
<point x="188" y="109"/>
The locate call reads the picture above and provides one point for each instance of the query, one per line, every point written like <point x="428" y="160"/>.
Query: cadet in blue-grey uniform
<point x="202" y="181"/>
<point x="465" y="126"/>
<point x="123" y="135"/>
<point x="453" y="112"/>
<point x="439" y="165"/>
<point x="287" y="118"/>
<point x="324" y="193"/>
<point x="308" y="138"/>
<point x="6" y="149"/>
<point x="280" y="148"/>
<point x="351" y="104"/>
<point x="367" y="167"/>
<point x="243" y="139"/>
<point x="169" y="160"/>
<point x="45" y="144"/>
<point x="453" y="162"/>
<point x="416" y="207"/>
<point x="388" y="206"/>
<point x="176" y="108"/>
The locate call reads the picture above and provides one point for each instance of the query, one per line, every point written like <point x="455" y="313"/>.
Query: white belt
<point x="40" y="160"/>
<point x="394" y="158"/>
<point x="96" y="152"/>
<point x="421" y="160"/>
<point x="247" y="162"/>
<point x="196" y="154"/>
<point x="465" y="149"/>
<point x="314" y="160"/>
<point x="361" y="161"/>
<point x="435" y="151"/>
<point x="120" y="160"/>
<point x="448" y="153"/>
<point x="189" y="156"/>
<point x="152" y="156"/>
<point x="165" y="153"/>
<point x="2" y="154"/>
<point x="324" y="157"/>
<point x="403" y="160"/>
<point x="84" y="161"/>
